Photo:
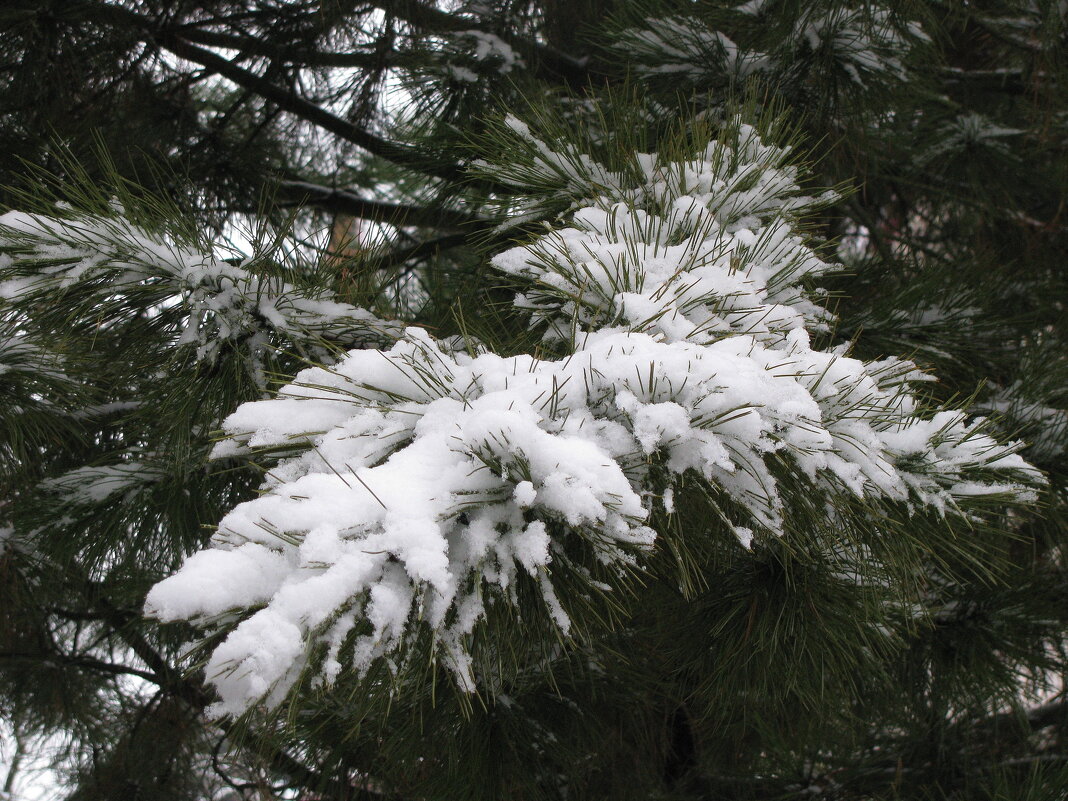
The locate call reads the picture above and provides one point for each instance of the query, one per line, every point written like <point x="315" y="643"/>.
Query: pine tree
<point x="601" y="399"/>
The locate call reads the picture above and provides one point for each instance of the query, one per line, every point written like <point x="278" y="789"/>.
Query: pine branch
<point x="1011" y="81"/>
<point x="290" y="54"/>
<point x="299" y="193"/>
<point x="79" y="661"/>
<point x="287" y="100"/>
<point x="756" y="495"/>
<point x="165" y="676"/>
<point x="552" y="63"/>
<point x="418" y="250"/>
<point x="171" y="39"/>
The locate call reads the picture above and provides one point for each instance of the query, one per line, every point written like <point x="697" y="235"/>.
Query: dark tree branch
<point x="292" y="54"/>
<point x="551" y="62"/>
<point x="293" y="192"/>
<point x="1010" y="81"/>
<point x="1018" y="721"/>
<point x="124" y="624"/>
<point x="16" y="763"/>
<point x="171" y="39"/>
<point x="193" y="692"/>
<point x="418" y="250"/>
<point x="179" y="40"/>
<point x="1035" y="718"/>
<point x="79" y="661"/>
<point x="289" y="101"/>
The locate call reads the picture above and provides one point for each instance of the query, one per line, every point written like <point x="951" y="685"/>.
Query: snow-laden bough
<point x="415" y="485"/>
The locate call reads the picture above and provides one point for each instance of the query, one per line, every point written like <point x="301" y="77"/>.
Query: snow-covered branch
<point x="417" y="485"/>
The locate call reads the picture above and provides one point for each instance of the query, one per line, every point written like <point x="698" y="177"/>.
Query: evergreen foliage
<point x="596" y="399"/>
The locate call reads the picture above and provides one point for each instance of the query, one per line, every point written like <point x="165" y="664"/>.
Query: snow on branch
<point x="866" y="44"/>
<point x="37" y="395"/>
<point x="101" y="257"/>
<point x="691" y="253"/>
<point x="686" y="48"/>
<point x="414" y="487"/>
<point x="468" y="52"/>
<point x="94" y="484"/>
<point x="19" y="356"/>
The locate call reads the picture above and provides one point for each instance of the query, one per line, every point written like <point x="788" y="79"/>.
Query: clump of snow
<point x="413" y="486"/>
<point x="94" y="484"/>
<point x="475" y="50"/>
<point x="490" y="47"/>
<point x="20" y="355"/>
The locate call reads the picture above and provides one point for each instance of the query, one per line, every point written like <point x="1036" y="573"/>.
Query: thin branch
<point x="73" y="660"/>
<point x="550" y="63"/>
<point x="171" y="39"/>
<point x="16" y="763"/>
<point x="123" y="623"/>
<point x="292" y="192"/>
<point x="554" y="62"/>
<point x="291" y="54"/>
<point x="287" y="100"/>
<point x="418" y="250"/>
